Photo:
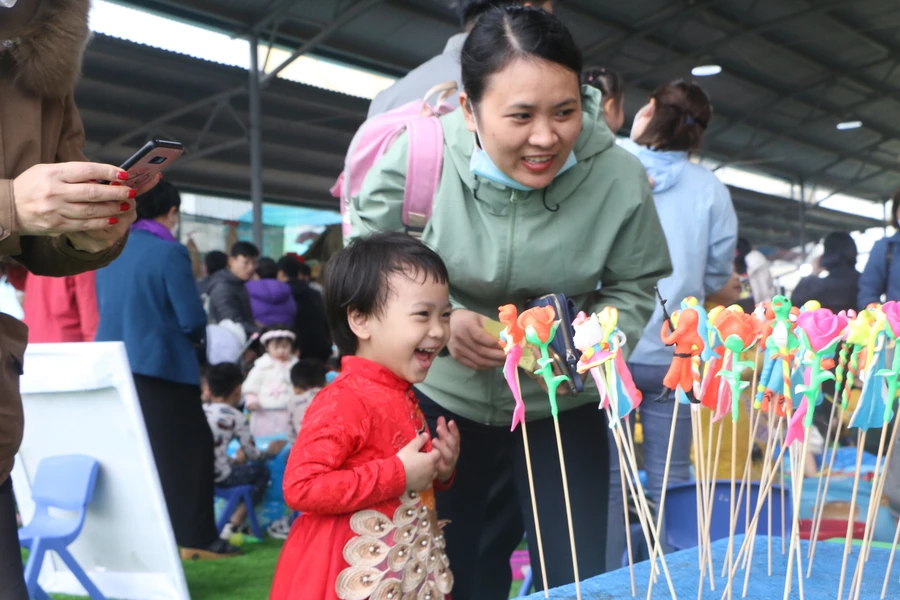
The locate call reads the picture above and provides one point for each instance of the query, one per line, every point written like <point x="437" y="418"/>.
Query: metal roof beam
<point x="731" y="37"/>
<point x="345" y="17"/>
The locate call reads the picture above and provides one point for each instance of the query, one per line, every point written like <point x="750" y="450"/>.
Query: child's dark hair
<point x="610" y="83"/>
<point x="247" y="249"/>
<point x="502" y="35"/>
<point x="357" y="278"/>
<point x="223" y="379"/>
<point x="308" y="373"/>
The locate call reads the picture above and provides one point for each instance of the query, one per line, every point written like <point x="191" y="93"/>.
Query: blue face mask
<point x="482" y="165"/>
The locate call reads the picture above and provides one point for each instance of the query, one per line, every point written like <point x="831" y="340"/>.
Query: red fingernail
<point x="132" y="194"/>
<point x="122" y="175"/>
<point x="113" y="220"/>
<point x="124" y="207"/>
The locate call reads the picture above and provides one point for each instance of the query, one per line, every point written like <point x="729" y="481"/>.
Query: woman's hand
<point x="470" y="344"/>
<point x="65" y="198"/>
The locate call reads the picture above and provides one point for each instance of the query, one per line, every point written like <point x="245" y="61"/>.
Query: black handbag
<point x="562" y="348"/>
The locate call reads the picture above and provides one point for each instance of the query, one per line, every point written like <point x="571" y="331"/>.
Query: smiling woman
<point x="534" y="198"/>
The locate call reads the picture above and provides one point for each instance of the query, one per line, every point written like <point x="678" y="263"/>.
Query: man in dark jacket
<point x="311" y="326"/>
<point x="228" y="296"/>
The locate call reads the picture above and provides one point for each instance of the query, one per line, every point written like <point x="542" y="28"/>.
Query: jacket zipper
<point x="509" y="260"/>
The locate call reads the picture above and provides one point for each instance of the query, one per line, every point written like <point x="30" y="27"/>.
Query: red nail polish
<point x="122" y="175"/>
<point x="124" y="207"/>
<point x="132" y="194"/>
<point x="113" y="220"/>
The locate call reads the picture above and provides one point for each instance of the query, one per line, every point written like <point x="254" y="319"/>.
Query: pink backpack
<point x="425" y="158"/>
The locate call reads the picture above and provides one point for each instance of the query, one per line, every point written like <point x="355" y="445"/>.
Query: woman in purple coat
<point x="271" y="300"/>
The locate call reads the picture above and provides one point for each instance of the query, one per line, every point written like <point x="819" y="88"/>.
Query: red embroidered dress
<point x="361" y="535"/>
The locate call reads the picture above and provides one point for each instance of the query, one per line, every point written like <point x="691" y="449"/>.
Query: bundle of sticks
<point x="783" y="354"/>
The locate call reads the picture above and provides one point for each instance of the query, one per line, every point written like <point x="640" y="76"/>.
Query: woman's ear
<point x="466" y="105"/>
<point x="359" y="324"/>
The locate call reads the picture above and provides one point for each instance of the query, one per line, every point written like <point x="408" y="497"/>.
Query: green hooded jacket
<point x="602" y="246"/>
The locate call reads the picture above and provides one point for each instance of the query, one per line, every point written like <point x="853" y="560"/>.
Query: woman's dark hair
<point x="215" y="261"/>
<point x="502" y="35"/>
<point x="610" y="83"/>
<point x="839" y="251"/>
<point x="358" y="278"/>
<point x="266" y="268"/>
<point x="223" y="379"/>
<point x="158" y="201"/>
<point x="895" y="206"/>
<point x="682" y="115"/>
<point x="470" y="10"/>
<point x="308" y="373"/>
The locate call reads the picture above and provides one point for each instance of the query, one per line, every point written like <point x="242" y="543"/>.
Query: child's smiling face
<point x="411" y="329"/>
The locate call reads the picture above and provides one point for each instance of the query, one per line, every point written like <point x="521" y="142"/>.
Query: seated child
<point x="364" y="468"/>
<point x="228" y="423"/>
<point x="307" y="377"/>
<point x="268" y="389"/>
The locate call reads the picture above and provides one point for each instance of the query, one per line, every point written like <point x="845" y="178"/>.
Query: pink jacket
<point x="61" y="309"/>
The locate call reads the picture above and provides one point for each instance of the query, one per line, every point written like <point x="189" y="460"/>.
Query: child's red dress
<point x="361" y="535"/>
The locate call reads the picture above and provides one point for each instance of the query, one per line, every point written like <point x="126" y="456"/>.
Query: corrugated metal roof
<point x="305" y="132"/>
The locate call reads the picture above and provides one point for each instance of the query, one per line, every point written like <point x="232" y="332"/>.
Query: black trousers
<point x="12" y="572"/>
<point x="489" y="504"/>
<point x="182" y="446"/>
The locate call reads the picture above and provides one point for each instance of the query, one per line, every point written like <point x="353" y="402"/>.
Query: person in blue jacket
<point x="148" y="299"/>
<point x="701" y="228"/>
<point x="882" y="273"/>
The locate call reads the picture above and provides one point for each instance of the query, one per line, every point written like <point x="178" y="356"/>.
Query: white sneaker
<point x="227" y="532"/>
<point x="279" y="528"/>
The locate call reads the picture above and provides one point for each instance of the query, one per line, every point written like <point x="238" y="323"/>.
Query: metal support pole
<point x="256" y="189"/>
<point x="803" y="219"/>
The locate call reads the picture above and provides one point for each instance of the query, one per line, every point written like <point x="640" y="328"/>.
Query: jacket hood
<point x="45" y="55"/>
<point x="663" y="167"/>
<point x="595" y="137"/>
<point x="269" y="291"/>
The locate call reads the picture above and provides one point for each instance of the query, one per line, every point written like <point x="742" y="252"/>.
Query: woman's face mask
<point x="527" y="122"/>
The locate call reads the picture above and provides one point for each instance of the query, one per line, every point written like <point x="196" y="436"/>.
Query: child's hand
<point x="420" y="467"/>
<point x="251" y="401"/>
<point x="240" y="458"/>
<point x="447" y="443"/>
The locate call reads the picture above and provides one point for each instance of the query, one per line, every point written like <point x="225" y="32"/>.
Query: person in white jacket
<point x="268" y="387"/>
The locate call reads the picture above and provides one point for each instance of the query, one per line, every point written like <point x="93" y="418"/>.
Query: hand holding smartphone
<point x="146" y="163"/>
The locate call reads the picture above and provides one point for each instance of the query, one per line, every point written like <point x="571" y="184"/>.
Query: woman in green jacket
<point x="534" y="198"/>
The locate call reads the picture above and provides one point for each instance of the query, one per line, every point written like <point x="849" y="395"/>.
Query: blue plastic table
<point x="683" y="566"/>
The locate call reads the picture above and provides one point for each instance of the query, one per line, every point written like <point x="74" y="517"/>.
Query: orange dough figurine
<point x="688" y="343"/>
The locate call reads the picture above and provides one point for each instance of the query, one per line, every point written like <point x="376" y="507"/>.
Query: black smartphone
<point x="155" y="156"/>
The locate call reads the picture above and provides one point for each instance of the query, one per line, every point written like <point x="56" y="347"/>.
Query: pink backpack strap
<point x="423" y="172"/>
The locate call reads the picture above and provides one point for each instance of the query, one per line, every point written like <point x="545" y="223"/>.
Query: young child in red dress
<point x="364" y="469"/>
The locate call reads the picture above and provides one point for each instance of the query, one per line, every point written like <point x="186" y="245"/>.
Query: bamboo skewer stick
<point x="537" y="524"/>
<point x="660" y="508"/>
<point x="861" y="441"/>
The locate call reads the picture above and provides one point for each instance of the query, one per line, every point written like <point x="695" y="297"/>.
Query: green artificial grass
<point x="246" y="577"/>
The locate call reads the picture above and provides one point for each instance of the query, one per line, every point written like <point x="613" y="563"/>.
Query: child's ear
<point x="359" y="324"/>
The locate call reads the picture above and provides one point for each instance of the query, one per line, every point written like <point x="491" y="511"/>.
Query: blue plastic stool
<point x="234" y="496"/>
<point x="681" y="500"/>
<point x="67" y="483"/>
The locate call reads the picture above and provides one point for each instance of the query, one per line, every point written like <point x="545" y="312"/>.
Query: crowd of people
<point x="536" y="197"/>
